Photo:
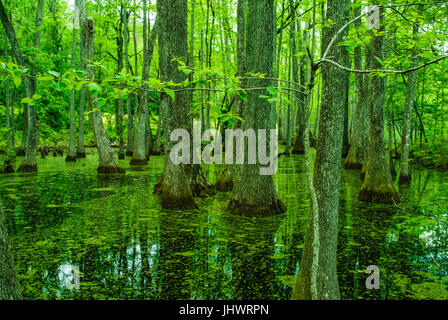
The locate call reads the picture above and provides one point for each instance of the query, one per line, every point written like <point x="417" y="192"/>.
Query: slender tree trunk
<point x="225" y="181"/>
<point x="390" y="128"/>
<point x="406" y="127"/>
<point x="130" y="138"/>
<point x="377" y="186"/>
<point x="29" y="163"/>
<point x="299" y="147"/>
<point x="133" y="123"/>
<point x="80" y="150"/>
<point x="9" y="286"/>
<point x="253" y="193"/>
<point x="7" y="96"/>
<point x="357" y="153"/>
<point x="107" y="161"/>
<point x="71" y="155"/>
<point x="156" y="150"/>
<point x="140" y="156"/>
<point x="174" y="185"/>
<point x="326" y="173"/>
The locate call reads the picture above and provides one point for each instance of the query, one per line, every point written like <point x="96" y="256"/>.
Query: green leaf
<point x="45" y="78"/>
<point x="94" y="88"/>
<point x="272" y="91"/>
<point x="185" y="70"/>
<point x="17" y="81"/>
<point x="243" y="95"/>
<point x="101" y="102"/>
<point x="170" y="93"/>
<point x="54" y="73"/>
<point x="27" y="100"/>
<point x="36" y="96"/>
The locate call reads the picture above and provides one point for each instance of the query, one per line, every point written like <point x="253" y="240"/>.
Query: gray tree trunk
<point x="107" y="161"/>
<point x="357" y="153"/>
<point x="80" y="150"/>
<point x="174" y="185"/>
<point x="140" y="156"/>
<point x="29" y="163"/>
<point x="225" y="180"/>
<point x="71" y="155"/>
<point x="130" y="138"/>
<point x="377" y="186"/>
<point x="255" y="194"/>
<point x="406" y="127"/>
<point x="9" y="286"/>
<point x="7" y="96"/>
<point x="298" y="145"/>
<point x="327" y="170"/>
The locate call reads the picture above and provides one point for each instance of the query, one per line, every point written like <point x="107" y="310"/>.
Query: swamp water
<point x="69" y="222"/>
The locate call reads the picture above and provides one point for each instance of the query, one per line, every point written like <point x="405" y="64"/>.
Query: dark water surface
<point x="111" y="229"/>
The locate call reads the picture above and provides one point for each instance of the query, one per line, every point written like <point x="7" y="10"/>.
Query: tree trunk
<point x="130" y="146"/>
<point x="29" y="163"/>
<point x="255" y="194"/>
<point x="7" y="96"/>
<point x="406" y="127"/>
<point x="9" y="286"/>
<point x="134" y="123"/>
<point x="80" y="151"/>
<point x="107" y="161"/>
<point x="156" y="149"/>
<point x="298" y="146"/>
<point x="174" y="185"/>
<point x="357" y="153"/>
<point x="225" y="180"/>
<point x="71" y="155"/>
<point x="326" y="170"/>
<point x="390" y="128"/>
<point x="378" y="186"/>
<point x="140" y="156"/>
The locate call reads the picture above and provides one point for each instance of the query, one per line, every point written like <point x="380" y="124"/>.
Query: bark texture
<point x="357" y="153"/>
<point x="225" y="179"/>
<point x="29" y="163"/>
<point x="9" y="286"/>
<point x="140" y="156"/>
<point x="255" y="194"/>
<point x="107" y="161"/>
<point x="174" y="185"/>
<point x="327" y="169"/>
<point x="377" y="186"/>
<point x="406" y="127"/>
<point x="71" y="155"/>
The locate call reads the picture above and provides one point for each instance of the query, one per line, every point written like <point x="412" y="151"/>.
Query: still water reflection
<point x="110" y="228"/>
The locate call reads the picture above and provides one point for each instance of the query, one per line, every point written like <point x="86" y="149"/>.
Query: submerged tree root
<point x="27" y="168"/>
<point x="111" y="170"/>
<point x="388" y="196"/>
<point x="352" y="165"/>
<point x="138" y="162"/>
<point x="8" y="169"/>
<point x="70" y="158"/>
<point x="198" y="182"/>
<point x="174" y="198"/>
<point x="201" y="188"/>
<point x="256" y="210"/>
<point x="225" y="180"/>
<point x="402" y="179"/>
